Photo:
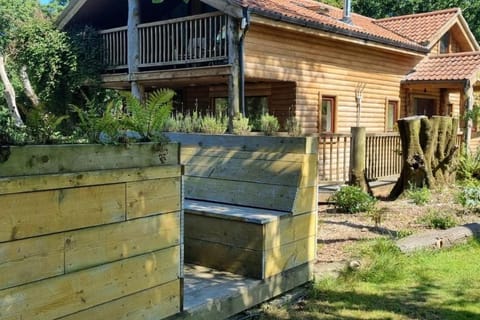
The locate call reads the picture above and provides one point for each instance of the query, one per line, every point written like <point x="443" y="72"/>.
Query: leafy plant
<point x="101" y="126"/>
<point x="352" y="199"/>
<point x="241" y="125"/>
<point x="149" y="118"/>
<point x="43" y="126"/>
<point x="376" y="214"/>
<point x="419" y="196"/>
<point x="438" y="220"/>
<point x="468" y="165"/>
<point x="10" y="134"/>
<point x="469" y="196"/>
<point x="213" y="125"/>
<point x="292" y="125"/>
<point x="269" y="124"/>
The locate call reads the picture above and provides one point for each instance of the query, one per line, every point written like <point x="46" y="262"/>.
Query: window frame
<point x="333" y="115"/>
<point x="396" y="113"/>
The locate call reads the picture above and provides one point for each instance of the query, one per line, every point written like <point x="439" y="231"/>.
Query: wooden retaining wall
<point x="82" y="243"/>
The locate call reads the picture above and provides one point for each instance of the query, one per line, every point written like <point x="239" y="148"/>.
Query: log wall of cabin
<point x="323" y="66"/>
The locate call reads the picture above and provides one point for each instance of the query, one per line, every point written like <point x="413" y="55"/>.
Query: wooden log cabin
<point x="330" y="68"/>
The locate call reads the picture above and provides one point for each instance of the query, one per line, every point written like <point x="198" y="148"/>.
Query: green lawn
<point x="428" y="285"/>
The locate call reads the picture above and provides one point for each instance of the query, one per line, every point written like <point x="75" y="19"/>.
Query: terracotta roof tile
<point x="448" y="67"/>
<point x="420" y="28"/>
<point x="310" y="12"/>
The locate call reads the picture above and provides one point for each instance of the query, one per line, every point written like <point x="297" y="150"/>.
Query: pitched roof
<point x="420" y="28"/>
<point x="447" y="67"/>
<point x="318" y="15"/>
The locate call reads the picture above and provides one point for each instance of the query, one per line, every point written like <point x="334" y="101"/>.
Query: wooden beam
<point x="226" y="6"/>
<point x="133" y="45"/>
<point x="469" y="101"/>
<point x="234" y="78"/>
<point x="70" y="11"/>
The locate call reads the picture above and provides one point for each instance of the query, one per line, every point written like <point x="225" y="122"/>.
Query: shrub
<point x="10" y="134"/>
<point x="293" y="127"/>
<point x="213" y="125"/>
<point x="469" y="196"/>
<point x="352" y="199"/>
<point x="419" y="196"/>
<point x="468" y="165"/>
<point x="269" y="124"/>
<point x="438" y="220"/>
<point x="241" y="125"/>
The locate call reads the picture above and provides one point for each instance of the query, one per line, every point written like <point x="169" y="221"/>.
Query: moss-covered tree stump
<point x="428" y="150"/>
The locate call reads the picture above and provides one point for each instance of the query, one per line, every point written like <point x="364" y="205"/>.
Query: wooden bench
<point x="250" y="202"/>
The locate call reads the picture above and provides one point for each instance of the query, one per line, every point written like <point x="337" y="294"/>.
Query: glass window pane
<point x="327" y="115"/>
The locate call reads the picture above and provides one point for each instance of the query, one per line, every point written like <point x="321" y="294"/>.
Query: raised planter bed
<point x="90" y="231"/>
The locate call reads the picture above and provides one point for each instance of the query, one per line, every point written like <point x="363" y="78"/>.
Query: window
<point x="327" y="123"/>
<point x="392" y="115"/>
<point x="445" y="43"/>
<point x="425" y="107"/>
<point x="255" y="107"/>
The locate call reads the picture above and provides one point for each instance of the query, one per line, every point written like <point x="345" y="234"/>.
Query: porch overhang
<point x="449" y="71"/>
<point x="169" y="78"/>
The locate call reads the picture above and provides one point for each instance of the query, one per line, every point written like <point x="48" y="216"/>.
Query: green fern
<point x="149" y="118"/>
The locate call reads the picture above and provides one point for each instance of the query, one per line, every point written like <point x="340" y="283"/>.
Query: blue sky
<point x="44" y="1"/>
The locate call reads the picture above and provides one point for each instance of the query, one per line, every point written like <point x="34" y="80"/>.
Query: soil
<point x="339" y="231"/>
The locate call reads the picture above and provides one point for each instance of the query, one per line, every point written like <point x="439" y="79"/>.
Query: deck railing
<point x="115" y="52"/>
<point x="334" y="157"/>
<point x="194" y="39"/>
<point x="383" y="156"/>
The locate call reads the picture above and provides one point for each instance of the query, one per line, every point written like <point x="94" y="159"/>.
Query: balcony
<point x="182" y="42"/>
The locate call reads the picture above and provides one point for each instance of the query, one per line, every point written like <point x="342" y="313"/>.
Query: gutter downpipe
<point x="244" y="25"/>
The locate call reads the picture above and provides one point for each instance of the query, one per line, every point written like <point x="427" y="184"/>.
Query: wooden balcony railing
<point x="194" y="39"/>
<point x="115" y="52"/>
<point x="334" y="157"/>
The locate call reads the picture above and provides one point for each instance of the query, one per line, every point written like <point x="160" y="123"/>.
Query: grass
<point x="389" y="285"/>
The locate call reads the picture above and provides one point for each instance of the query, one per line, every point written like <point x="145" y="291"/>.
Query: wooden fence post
<point x="357" y="158"/>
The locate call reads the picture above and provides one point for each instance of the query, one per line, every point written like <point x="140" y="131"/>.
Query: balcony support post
<point x="234" y="78"/>
<point x="133" y="46"/>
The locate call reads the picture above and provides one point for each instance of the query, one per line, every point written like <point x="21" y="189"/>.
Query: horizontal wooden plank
<point x="259" y="171"/>
<point x="242" y="295"/>
<point x="290" y="229"/>
<point x="226" y="232"/>
<point x="37" y="213"/>
<point x="95" y="246"/>
<point x="45" y="159"/>
<point x="275" y="197"/>
<point x="187" y="152"/>
<point x="232" y="213"/>
<point x="29" y="260"/>
<point x="223" y="257"/>
<point x="60" y="296"/>
<point x="288" y="256"/>
<point x="248" y="143"/>
<point x="153" y="197"/>
<point x="88" y="178"/>
<point x="155" y="303"/>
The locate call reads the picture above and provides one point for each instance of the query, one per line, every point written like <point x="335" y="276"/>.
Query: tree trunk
<point x="439" y="239"/>
<point x="9" y="93"/>
<point x="357" y="159"/>
<point x="428" y="150"/>
<point x="27" y="87"/>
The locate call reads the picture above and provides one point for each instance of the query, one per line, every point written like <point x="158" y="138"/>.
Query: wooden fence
<point x="194" y="39"/>
<point x="383" y="157"/>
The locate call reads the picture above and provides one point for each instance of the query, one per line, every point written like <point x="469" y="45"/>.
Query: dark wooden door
<point x="425" y="107"/>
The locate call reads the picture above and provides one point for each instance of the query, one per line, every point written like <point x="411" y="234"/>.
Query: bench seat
<point x="250" y="203"/>
<point x="253" y="242"/>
